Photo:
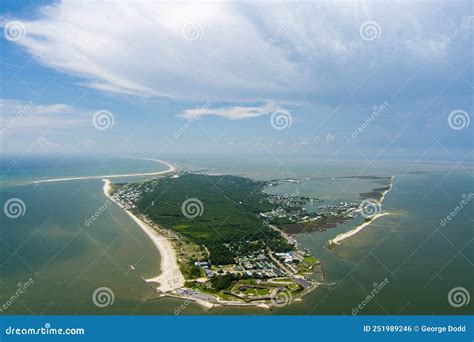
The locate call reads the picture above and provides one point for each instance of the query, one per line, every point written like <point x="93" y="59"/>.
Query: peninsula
<point x="217" y="247"/>
<point x="223" y="240"/>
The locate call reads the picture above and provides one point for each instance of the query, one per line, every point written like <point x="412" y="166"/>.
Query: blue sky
<point x="337" y="79"/>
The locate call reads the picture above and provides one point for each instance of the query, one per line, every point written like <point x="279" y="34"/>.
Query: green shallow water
<point x="69" y="259"/>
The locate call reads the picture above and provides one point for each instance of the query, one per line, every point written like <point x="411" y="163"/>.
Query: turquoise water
<point x="68" y="259"/>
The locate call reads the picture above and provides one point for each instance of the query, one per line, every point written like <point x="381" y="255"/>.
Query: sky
<point x="341" y="79"/>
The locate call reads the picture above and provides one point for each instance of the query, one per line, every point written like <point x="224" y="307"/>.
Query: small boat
<point x="132" y="268"/>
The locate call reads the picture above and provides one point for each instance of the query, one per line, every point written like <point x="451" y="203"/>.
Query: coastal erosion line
<point x="336" y="241"/>
<point x="170" y="277"/>
<point x="171" y="169"/>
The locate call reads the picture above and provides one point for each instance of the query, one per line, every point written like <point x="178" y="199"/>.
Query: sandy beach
<point x="358" y="228"/>
<point x="354" y="231"/>
<point x="171" y="168"/>
<point x="170" y="278"/>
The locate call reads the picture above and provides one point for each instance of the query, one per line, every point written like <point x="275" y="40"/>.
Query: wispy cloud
<point x="235" y="112"/>
<point x="15" y="114"/>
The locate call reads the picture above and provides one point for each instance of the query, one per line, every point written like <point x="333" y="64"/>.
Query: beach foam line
<point x="171" y="277"/>
<point x="358" y="228"/>
<point x="171" y="168"/>
<point x="354" y="231"/>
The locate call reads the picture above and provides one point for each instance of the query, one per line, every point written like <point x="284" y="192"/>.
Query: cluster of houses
<point x="128" y="196"/>
<point x="259" y="266"/>
<point x="288" y="257"/>
<point x="206" y="266"/>
<point x="287" y="180"/>
<point x="346" y="208"/>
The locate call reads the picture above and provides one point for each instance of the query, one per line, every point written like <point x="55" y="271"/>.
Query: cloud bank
<point x="248" y="51"/>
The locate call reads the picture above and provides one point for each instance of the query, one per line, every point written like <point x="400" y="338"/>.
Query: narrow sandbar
<point x="171" y="169"/>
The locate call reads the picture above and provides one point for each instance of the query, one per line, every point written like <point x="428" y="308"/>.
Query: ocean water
<point x="69" y="257"/>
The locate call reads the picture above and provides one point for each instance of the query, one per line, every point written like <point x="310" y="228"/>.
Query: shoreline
<point x="343" y="236"/>
<point x="170" y="277"/>
<point x="171" y="168"/>
<point x="171" y="282"/>
<point x="340" y="237"/>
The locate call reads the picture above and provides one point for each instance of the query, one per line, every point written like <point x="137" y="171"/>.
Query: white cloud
<point x="244" y="51"/>
<point x="234" y="113"/>
<point x="15" y="114"/>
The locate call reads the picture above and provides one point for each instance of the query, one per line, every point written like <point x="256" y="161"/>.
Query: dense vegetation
<point x="223" y="282"/>
<point x="229" y="225"/>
